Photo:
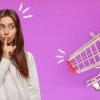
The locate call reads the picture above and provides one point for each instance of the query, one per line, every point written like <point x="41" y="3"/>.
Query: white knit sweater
<point x="13" y="86"/>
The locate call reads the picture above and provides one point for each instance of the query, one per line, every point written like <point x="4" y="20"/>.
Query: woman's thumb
<point x="14" y="47"/>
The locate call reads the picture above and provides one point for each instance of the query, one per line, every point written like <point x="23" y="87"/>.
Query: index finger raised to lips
<point x="5" y="42"/>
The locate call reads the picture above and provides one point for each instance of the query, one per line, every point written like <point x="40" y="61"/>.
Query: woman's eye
<point x="1" y="27"/>
<point x="11" y="26"/>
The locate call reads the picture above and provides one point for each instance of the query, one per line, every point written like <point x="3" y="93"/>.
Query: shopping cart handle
<point x="71" y="66"/>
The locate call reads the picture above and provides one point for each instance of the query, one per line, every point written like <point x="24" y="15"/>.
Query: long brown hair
<point x="19" y="55"/>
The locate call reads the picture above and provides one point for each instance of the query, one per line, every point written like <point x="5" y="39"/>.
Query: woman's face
<point x="7" y="29"/>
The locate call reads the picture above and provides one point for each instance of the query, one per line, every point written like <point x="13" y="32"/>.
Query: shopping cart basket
<point x="86" y="57"/>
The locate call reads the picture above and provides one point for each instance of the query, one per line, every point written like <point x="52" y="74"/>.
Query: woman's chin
<point x="9" y="43"/>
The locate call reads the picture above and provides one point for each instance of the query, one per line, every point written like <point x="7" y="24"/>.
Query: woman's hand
<point x="8" y="50"/>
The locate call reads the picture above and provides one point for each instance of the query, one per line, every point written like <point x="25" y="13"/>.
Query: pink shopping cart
<point x="86" y="57"/>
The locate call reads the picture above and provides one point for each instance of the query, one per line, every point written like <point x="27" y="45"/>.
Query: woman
<point x="18" y="74"/>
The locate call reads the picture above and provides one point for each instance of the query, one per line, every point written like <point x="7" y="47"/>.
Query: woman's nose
<point x="6" y="32"/>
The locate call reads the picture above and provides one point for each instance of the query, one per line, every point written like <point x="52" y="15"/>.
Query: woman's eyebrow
<point x="8" y="24"/>
<point x="1" y="24"/>
<point x="11" y="24"/>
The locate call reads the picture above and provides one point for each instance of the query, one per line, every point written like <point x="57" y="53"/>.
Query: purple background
<point x="63" y="24"/>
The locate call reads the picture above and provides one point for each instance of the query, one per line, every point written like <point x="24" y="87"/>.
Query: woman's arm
<point x="33" y="82"/>
<point x="4" y="65"/>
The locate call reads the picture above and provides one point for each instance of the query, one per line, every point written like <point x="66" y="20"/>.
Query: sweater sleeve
<point x="33" y="82"/>
<point x="4" y="65"/>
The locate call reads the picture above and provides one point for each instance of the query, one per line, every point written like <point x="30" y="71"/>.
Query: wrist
<point x="6" y="56"/>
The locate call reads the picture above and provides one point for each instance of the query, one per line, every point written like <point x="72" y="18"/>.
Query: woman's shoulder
<point x="30" y="59"/>
<point x="29" y="55"/>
